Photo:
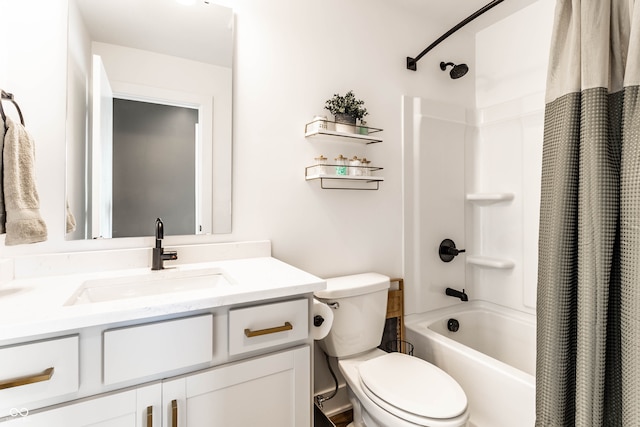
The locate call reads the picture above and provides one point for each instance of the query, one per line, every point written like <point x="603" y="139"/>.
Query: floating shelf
<point x="335" y="182"/>
<point x="489" y="198"/>
<point x="355" y="177"/>
<point x="343" y="182"/>
<point x="311" y="130"/>
<point x="487" y="262"/>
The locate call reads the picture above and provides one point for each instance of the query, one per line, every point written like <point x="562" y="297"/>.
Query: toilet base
<point x="361" y="418"/>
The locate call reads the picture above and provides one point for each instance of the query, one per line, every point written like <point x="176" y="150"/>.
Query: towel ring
<point x="9" y="97"/>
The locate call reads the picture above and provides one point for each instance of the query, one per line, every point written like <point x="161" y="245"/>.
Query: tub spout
<point x="454" y="293"/>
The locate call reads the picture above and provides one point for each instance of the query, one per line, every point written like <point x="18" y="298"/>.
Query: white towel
<point x="71" y="220"/>
<point x="21" y="202"/>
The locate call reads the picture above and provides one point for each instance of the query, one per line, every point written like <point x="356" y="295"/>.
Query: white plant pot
<point x="345" y="123"/>
<point x="343" y="127"/>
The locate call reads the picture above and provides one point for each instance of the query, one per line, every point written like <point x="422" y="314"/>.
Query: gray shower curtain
<point x="588" y="343"/>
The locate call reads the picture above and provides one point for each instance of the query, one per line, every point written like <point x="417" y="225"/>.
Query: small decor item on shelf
<point x="321" y="165"/>
<point x="346" y="109"/>
<point x="363" y="129"/>
<point x="354" y="167"/>
<point x="365" y="167"/>
<point x="341" y="165"/>
<point x="318" y="123"/>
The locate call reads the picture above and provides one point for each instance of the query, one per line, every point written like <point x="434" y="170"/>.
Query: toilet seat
<point x="412" y="389"/>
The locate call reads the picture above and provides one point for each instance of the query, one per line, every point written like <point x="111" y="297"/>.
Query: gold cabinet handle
<point x="286" y="327"/>
<point x="174" y="413"/>
<point x="29" y="379"/>
<point x="149" y="416"/>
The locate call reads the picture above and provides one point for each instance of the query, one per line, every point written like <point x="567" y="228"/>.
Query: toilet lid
<point x="413" y="385"/>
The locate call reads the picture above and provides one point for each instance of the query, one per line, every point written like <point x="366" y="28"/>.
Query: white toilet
<point x="385" y="389"/>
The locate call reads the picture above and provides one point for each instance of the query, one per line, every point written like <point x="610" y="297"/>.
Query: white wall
<point x="35" y="58"/>
<point x="290" y="57"/>
<point x="513" y="54"/>
<point x="284" y="77"/>
<point x="512" y="57"/>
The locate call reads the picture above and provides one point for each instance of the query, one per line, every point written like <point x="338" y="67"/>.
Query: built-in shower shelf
<point x="488" y="262"/>
<point x="489" y="198"/>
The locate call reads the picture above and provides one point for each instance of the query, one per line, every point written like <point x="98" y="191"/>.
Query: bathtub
<point x="492" y="356"/>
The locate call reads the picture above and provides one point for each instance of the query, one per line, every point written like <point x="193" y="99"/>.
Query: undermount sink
<point x="148" y="284"/>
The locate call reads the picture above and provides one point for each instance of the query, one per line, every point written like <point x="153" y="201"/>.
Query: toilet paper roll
<point x="321" y="315"/>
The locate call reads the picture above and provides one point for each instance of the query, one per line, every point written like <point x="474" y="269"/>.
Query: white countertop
<point x="35" y="306"/>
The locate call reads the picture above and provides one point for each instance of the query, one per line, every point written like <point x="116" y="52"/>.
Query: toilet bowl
<point x="385" y="389"/>
<point x="394" y="389"/>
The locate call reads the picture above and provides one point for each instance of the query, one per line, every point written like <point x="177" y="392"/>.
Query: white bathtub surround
<point x="502" y="237"/>
<point x="492" y="356"/>
<point x="472" y="172"/>
<point x="434" y="139"/>
<point x="479" y="191"/>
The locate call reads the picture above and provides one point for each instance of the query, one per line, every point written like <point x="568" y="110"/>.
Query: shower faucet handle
<point x="448" y="250"/>
<point x="451" y="251"/>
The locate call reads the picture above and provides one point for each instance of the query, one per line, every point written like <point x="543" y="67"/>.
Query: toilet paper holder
<point x="318" y="320"/>
<point x="322" y="318"/>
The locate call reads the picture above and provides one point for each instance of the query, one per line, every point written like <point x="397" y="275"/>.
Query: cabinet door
<point x="123" y="409"/>
<point x="272" y="390"/>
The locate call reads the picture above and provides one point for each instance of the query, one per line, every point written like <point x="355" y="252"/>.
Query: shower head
<point x="457" y="71"/>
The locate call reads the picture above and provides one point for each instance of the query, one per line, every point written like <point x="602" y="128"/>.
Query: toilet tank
<point x="359" y="315"/>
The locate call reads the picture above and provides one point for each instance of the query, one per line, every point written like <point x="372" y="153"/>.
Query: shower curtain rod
<point x="412" y="62"/>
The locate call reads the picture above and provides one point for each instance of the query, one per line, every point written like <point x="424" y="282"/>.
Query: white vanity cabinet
<point x="245" y="365"/>
<point x="267" y="391"/>
<point x="272" y="390"/>
<point x="140" y="351"/>
<point x="38" y="370"/>
<point x="132" y="408"/>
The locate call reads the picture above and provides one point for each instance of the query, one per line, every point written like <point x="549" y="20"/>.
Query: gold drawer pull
<point x="174" y="413"/>
<point x="30" y="379"/>
<point x="286" y="327"/>
<point x="149" y="416"/>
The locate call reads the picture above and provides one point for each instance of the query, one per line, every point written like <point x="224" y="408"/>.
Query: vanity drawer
<point x="262" y="326"/>
<point x="37" y="371"/>
<point x="139" y="351"/>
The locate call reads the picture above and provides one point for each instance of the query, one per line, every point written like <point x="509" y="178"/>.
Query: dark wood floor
<point x="343" y="418"/>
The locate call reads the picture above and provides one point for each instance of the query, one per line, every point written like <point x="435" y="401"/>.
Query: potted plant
<point x="346" y="109"/>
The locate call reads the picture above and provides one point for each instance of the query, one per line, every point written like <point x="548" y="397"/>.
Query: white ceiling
<point x="449" y="13"/>
<point x="201" y="32"/>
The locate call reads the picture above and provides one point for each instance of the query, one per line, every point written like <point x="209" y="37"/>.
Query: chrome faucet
<point x="453" y="293"/>
<point x="159" y="255"/>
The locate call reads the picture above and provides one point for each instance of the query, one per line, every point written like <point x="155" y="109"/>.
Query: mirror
<point x="137" y="69"/>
